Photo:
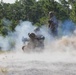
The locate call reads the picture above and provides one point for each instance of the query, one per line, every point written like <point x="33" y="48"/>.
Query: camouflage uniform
<point x="37" y="40"/>
<point x="53" y="23"/>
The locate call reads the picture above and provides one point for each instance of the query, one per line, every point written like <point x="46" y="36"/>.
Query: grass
<point x="3" y="51"/>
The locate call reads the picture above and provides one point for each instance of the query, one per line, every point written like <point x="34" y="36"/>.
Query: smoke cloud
<point x="13" y="41"/>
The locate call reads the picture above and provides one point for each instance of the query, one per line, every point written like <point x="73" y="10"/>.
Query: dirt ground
<point x="37" y="64"/>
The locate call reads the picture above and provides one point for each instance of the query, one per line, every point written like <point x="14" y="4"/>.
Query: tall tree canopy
<point x="35" y="11"/>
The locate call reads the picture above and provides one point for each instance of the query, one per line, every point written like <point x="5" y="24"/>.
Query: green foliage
<point x="73" y="12"/>
<point x="35" y="11"/>
<point x="4" y="31"/>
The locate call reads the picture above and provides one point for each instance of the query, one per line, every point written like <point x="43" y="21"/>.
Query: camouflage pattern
<point x="53" y="23"/>
<point x="34" y="42"/>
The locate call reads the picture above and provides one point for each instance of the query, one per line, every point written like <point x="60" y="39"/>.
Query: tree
<point x="73" y="12"/>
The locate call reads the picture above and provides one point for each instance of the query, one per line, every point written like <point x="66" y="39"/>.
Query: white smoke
<point x="13" y="41"/>
<point x="15" y="38"/>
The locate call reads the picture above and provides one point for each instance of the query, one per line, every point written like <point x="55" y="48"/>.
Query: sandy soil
<point x="19" y="63"/>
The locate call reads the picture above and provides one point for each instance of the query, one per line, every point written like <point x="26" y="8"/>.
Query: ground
<point x="19" y="63"/>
